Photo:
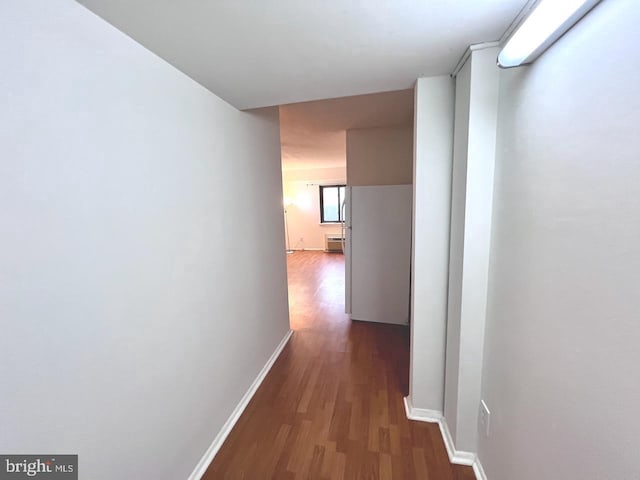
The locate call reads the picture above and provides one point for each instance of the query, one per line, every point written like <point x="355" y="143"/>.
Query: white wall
<point x="301" y="187"/>
<point x="142" y="261"/>
<point x="562" y="355"/>
<point x="433" y="140"/>
<point x="471" y="209"/>
<point x="456" y="249"/>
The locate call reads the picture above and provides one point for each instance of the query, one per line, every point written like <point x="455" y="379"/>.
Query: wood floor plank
<point x="339" y="467"/>
<point x="419" y="464"/>
<point x="386" y="470"/>
<point x="331" y="408"/>
<point x="270" y="461"/>
<point x="329" y="460"/>
<point x="296" y="461"/>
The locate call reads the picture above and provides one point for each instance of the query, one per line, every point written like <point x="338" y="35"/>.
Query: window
<point x="331" y="198"/>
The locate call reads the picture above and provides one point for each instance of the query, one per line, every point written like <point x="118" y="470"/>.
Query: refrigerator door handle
<point x="343" y="229"/>
<point x="346" y="246"/>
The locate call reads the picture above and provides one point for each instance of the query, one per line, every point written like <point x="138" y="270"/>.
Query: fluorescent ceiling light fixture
<point x="547" y="21"/>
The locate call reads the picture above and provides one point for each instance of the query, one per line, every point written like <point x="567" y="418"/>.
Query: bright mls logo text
<point x="29" y="466"/>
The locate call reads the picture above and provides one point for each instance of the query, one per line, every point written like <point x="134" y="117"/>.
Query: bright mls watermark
<point x="50" y="467"/>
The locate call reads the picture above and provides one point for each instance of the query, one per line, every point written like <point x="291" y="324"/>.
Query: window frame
<point x="340" y="200"/>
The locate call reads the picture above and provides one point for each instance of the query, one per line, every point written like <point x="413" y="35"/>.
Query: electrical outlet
<point x="484" y="418"/>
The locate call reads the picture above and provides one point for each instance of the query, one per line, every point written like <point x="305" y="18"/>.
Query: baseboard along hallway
<point x="332" y="405"/>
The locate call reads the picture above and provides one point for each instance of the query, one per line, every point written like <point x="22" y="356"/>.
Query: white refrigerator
<point x="377" y="232"/>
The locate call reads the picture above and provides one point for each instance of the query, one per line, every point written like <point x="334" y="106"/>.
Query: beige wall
<point x="301" y="188"/>
<point x="380" y="156"/>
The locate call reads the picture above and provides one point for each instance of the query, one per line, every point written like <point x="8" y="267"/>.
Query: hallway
<point x="332" y="405"/>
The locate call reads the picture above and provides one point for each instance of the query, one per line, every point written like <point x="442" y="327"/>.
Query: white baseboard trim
<point x="457" y="457"/>
<point x="421" y="414"/>
<point x="478" y="470"/>
<point x="209" y="455"/>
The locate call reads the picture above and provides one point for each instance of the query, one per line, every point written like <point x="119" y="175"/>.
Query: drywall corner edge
<point x="433" y="157"/>
<point x="457" y="457"/>
<point x="219" y="439"/>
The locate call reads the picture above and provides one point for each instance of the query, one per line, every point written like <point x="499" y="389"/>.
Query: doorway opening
<point x="347" y="173"/>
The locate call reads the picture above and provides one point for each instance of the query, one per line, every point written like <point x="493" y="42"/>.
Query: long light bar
<point x="546" y="22"/>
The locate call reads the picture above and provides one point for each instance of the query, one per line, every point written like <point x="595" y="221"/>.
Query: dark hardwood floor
<point x="332" y="405"/>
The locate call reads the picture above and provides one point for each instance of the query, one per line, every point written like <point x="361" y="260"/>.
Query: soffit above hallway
<point x="312" y="134"/>
<point x="273" y="52"/>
